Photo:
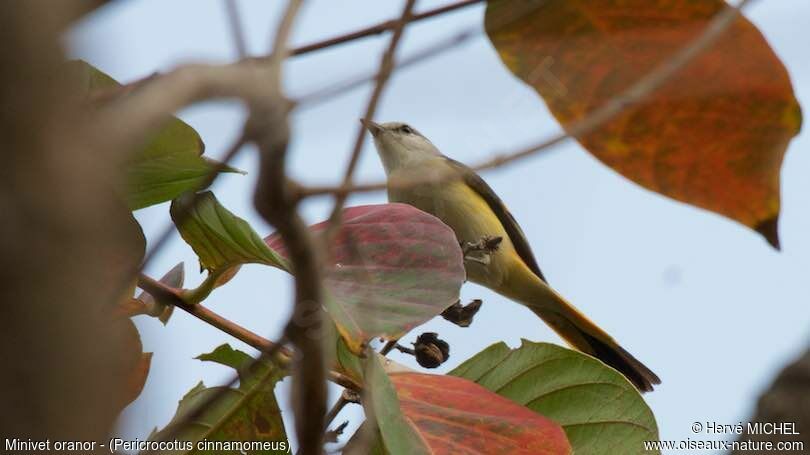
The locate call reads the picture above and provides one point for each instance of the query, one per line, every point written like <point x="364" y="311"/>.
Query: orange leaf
<point x="713" y="136"/>
<point x="133" y="364"/>
<point x="454" y="415"/>
<point x="137" y="378"/>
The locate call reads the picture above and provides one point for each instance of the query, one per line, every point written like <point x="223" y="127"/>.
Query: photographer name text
<point x="709" y="427"/>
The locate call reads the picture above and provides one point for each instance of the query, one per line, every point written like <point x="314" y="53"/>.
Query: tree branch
<point x="171" y="296"/>
<point x="384" y="73"/>
<point x="237" y="31"/>
<point x="268" y="128"/>
<point x="378" y="28"/>
<point x="338" y="88"/>
<point x="128" y="119"/>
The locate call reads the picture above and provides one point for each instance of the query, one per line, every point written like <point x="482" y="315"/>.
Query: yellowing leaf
<point x="249" y="413"/>
<point x="713" y="136"/>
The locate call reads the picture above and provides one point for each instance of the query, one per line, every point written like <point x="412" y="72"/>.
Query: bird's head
<point x="400" y="145"/>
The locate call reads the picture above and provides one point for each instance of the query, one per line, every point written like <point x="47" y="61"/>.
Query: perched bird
<point x="472" y="209"/>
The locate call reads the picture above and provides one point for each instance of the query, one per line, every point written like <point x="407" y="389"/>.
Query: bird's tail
<point x="584" y="335"/>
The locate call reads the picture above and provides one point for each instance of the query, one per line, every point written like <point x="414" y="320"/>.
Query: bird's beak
<point x="373" y="128"/>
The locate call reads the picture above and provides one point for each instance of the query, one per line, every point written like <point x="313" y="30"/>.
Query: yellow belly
<point x="470" y="217"/>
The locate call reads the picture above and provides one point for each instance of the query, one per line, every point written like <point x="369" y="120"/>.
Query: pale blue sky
<point x="703" y="301"/>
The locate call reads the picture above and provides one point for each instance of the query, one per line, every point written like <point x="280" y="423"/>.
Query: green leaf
<point x="398" y="435"/>
<point x="248" y="413"/>
<point x="221" y="239"/>
<point x="170" y="161"/>
<point x="601" y="412"/>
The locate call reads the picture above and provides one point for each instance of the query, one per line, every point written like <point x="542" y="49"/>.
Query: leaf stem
<point x="201" y="292"/>
<point x="171" y="296"/>
<point x="391" y="344"/>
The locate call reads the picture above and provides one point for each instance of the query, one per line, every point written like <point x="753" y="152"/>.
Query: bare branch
<point x="237" y="32"/>
<point x="386" y="66"/>
<point x="279" y="50"/>
<point x="268" y="128"/>
<point x="346" y="397"/>
<point x="379" y="28"/>
<point x="128" y="119"/>
<point x="171" y="296"/>
<point x="636" y="93"/>
<point x="339" y="88"/>
<point x="332" y="435"/>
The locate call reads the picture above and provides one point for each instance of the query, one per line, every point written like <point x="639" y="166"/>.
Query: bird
<point x="469" y="206"/>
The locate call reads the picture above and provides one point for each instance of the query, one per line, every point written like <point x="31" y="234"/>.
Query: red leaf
<point x="393" y="267"/>
<point x="132" y="367"/>
<point x="137" y="379"/>
<point x="454" y="415"/>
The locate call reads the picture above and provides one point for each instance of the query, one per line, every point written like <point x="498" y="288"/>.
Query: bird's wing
<point x="497" y="206"/>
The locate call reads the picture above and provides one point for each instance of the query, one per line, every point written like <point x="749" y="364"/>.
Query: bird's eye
<point x="406" y="129"/>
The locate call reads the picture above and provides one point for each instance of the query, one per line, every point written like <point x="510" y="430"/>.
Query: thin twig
<point x="636" y="93"/>
<point x="237" y="32"/>
<point x="268" y="127"/>
<point x="332" y="90"/>
<point x="279" y="50"/>
<point x="335" y="410"/>
<point x="127" y="120"/>
<point x="405" y="349"/>
<point x="170" y="296"/>
<point x="384" y="73"/>
<point x="334" y="434"/>
<point x="378" y="28"/>
<point x="388" y="347"/>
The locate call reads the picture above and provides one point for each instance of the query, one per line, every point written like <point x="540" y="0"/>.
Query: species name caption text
<point x="116" y="444"/>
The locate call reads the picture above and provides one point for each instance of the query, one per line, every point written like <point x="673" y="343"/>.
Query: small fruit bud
<point x="430" y="351"/>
